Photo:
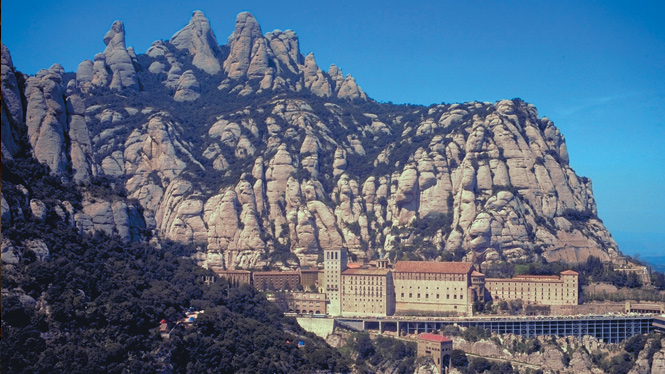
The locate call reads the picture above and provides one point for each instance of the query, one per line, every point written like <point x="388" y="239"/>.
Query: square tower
<point x="334" y="262"/>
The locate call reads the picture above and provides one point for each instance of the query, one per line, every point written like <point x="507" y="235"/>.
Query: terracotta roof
<point x="366" y="271"/>
<point x="434" y="338"/>
<point x="276" y="272"/>
<point x="233" y="271"/>
<point x="310" y="270"/>
<point x="433" y="267"/>
<point x="536" y="277"/>
<point x="477" y="274"/>
<point x="569" y="272"/>
<point x="354" y="265"/>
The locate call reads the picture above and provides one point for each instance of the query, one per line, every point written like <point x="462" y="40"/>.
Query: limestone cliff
<point x="282" y="159"/>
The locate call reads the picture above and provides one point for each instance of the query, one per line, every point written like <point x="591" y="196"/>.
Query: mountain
<point x="256" y="156"/>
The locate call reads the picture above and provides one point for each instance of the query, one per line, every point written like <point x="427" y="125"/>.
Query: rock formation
<point x="46" y="118"/>
<point x="12" y="108"/>
<point x="248" y="49"/>
<point x="199" y="40"/>
<point x="119" y="59"/>
<point x="188" y="88"/>
<point x="301" y="166"/>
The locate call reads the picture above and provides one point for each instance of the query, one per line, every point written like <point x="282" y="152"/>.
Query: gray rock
<point x="350" y="90"/>
<point x="38" y="247"/>
<point x="157" y="68"/>
<point x="47" y="120"/>
<point x="9" y="253"/>
<point x="248" y="55"/>
<point x="315" y="80"/>
<point x="118" y="59"/>
<point x="658" y="363"/>
<point x="12" y="108"/>
<point x="6" y="213"/>
<point x="197" y="38"/>
<point x="81" y="152"/>
<point x="188" y="87"/>
<point x="38" y="209"/>
<point x="100" y="74"/>
<point x="10" y="91"/>
<point x="173" y="77"/>
<point x="285" y="48"/>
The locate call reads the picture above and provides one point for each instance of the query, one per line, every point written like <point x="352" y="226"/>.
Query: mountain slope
<point x="255" y="155"/>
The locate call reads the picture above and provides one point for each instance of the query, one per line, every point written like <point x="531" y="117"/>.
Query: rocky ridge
<point x="566" y="354"/>
<point x="254" y="154"/>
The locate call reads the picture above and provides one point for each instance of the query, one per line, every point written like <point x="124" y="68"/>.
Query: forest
<point x="94" y="304"/>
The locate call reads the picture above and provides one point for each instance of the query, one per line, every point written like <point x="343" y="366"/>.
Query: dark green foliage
<point x="27" y="171"/>
<point x="105" y="300"/>
<point x="431" y="223"/>
<point x="658" y="280"/>
<point x="458" y="358"/>
<point x="371" y="353"/>
<point x="364" y="346"/>
<point x="479" y="365"/>
<point x="499" y="270"/>
<point x="573" y="215"/>
<point x="454" y="256"/>
<point x="474" y="334"/>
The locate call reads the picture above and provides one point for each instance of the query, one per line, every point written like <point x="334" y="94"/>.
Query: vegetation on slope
<point x="95" y="305"/>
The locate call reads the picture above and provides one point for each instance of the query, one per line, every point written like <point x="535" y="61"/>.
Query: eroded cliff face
<point x="253" y="153"/>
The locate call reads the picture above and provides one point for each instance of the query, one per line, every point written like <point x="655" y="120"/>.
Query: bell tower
<point x="334" y="262"/>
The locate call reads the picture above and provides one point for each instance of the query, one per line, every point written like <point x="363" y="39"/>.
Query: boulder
<point x="188" y="88"/>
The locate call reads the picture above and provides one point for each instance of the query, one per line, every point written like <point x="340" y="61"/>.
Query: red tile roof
<point x="536" y="277"/>
<point x="354" y="265"/>
<point x="433" y="267"/>
<point x="569" y="272"/>
<point x="434" y="338"/>
<point x="370" y="271"/>
<point x="233" y="271"/>
<point x="477" y="274"/>
<point x="276" y="272"/>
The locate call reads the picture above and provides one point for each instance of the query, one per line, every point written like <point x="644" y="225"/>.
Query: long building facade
<point x="432" y="287"/>
<point x="536" y="289"/>
<point x="408" y="287"/>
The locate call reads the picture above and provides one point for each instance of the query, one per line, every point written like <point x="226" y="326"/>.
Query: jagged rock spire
<point x="198" y="38"/>
<point x="118" y="59"/>
<point x="12" y="98"/>
<point x="315" y="80"/>
<point x="248" y="49"/>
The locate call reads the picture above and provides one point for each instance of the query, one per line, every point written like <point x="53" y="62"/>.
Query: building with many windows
<point x="276" y="280"/>
<point x="367" y="292"/>
<point x="432" y="287"/>
<point x="536" y="289"/>
<point x="406" y="288"/>
<point x="235" y="277"/>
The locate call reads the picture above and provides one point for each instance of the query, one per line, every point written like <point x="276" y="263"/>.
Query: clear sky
<point x="596" y="68"/>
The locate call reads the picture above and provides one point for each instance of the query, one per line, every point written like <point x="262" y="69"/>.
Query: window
<point x="402" y="294"/>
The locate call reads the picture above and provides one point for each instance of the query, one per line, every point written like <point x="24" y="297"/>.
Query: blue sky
<point x="596" y="68"/>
